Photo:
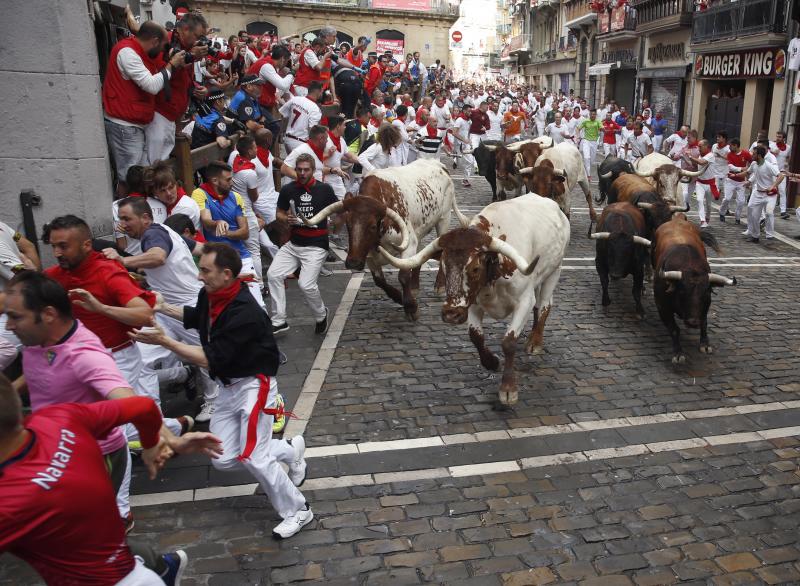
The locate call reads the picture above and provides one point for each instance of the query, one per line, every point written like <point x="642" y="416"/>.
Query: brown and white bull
<point x="505" y="263"/>
<point x="683" y="280"/>
<point x="556" y="172"/>
<point x="396" y="208"/>
<point x="509" y="159"/>
<point x="661" y="171"/>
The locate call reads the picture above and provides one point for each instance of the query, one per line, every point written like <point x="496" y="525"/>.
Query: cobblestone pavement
<point x="616" y="467"/>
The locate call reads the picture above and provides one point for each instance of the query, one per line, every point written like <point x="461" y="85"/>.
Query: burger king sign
<point x="756" y="63"/>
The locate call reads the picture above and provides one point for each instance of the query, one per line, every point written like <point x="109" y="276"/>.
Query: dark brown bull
<point x="640" y="192"/>
<point x="621" y="248"/>
<point x="683" y="280"/>
<point x="547" y="181"/>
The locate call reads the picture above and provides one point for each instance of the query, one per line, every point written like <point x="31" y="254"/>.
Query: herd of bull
<point x="506" y="260"/>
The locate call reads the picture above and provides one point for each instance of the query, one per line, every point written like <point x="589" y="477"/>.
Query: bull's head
<point x="470" y="259"/>
<point x="545" y="180"/>
<point x="368" y="221"/>
<point x="504" y="164"/>
<point x="691" y="291"/>
<point x="667" y="181"/>
<point x="620" y="250"/>
<point x="659" y="212"/>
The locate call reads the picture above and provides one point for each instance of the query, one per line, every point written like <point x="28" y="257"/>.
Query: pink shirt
<point x="78" y="370"/>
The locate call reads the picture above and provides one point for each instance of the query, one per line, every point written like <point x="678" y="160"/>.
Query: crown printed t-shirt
<point x="308" y="200"/>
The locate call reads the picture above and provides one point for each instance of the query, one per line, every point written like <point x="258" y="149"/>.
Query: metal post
<point x="28" y="200"/>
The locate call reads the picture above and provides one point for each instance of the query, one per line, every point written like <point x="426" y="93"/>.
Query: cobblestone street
<point x="615" y="467"/>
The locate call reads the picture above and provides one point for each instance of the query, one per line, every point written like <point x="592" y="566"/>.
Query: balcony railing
<point x="732" y="20"/>
<point x="545" y="53"/>
<point x="503" y="29"/>
<point x="620" y="20"/>
<point x="650" y="11"/>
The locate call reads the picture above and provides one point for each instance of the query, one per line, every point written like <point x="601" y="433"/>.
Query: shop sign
<point x="396" y="47"/>
<point x="666" y="52"/>
<point x="623" y="55"/>
<point x="741" y="64"/>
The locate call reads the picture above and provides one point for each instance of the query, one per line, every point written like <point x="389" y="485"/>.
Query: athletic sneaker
<point x="187" y="423"/>
<point x="322" y="325"/>
<point x="135" y="447"/>
<point x="282" y="358"/>
<point x="292" y="525"/>
<point x="325" y="272"/>
<point x="129" y="523"/>
<point x="279" y="328"/>
<point x="280" y="421"/>
<point x="176" y="564"/>
<point x="704" y="224"/>
<point x="297" y="467"/>
<point x="205" y="413"/>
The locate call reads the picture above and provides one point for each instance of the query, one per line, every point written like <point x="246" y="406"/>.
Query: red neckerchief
<point x="219" y="300"/>
<point x="263" y="156"/>
<point x="692" y="145"/>
<point x="336" y="141"/>
<point x="136" y="194"/>
<point x="781" y="146"/>
<point x="432" y="132"/>
<point x="320" y="152"/>
<point x="463" y="116"/>
<point x="181" y="194"/>
<point x="211" y="190"/>
<point x="374" y="122"/>
<point x="408" y="102"/>
<point x="681" y="134"/>
<point x="306" y="186"/>
<point x="242" y="164"/>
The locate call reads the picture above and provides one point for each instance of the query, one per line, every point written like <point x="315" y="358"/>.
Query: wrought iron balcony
<point x="654" y="15"/>
<point x="732" y="20"/>
<point x="619" y="23"/>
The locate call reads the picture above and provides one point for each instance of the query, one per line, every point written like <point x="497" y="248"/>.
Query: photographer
<point x="274" y="72"/>
<point x="172" y="101"/>
<point x="312" y="60"/>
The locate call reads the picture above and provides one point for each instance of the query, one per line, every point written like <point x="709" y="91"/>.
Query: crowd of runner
<point x="97" y="345"/>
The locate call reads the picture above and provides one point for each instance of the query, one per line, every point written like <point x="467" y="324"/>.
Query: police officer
<point x="245" y="103"/>
<point x="210" y="124"/>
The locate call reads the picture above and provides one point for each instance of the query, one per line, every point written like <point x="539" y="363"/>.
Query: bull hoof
<point x="679" y="359"/>
<point x="412" y="315"/>
<point x="606" y="301"/>
<point x="508" y="397"/>
<point x="491" y="363"/>
<point x="535" y="349"/>
<point x="706" y="349"/>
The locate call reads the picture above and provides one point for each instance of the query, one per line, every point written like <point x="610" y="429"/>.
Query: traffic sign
<point x="457" y="36"/>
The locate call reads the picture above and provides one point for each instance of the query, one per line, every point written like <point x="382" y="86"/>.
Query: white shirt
<point x="9" y="252"/>
<point x="494" y="132"/>
<point x="442" y="116"/>
<point x="271" y="76"/>
<point x="719" y="160"/>
<point x="176" y="279"/>
<point x="461" y="128"/>
<point x="762" y="176"/>
<point x="782" y="156"/>
<point x="708" y="171"/>
<point x="676" y="143"/>
<point x="311" y="58"/>
<point x="302" y="114"/>
<point x="249" y="58"/>
<point x="132" y="68"/>
<point x="404" y="146"/>
<point x="186" y="205"/>
<point x="291" y="159"/>
<point x="374" y="158"/>
<point x="243" y="181"/>
<point x="572" y="126"/>
<point x="794" y="54"/>
<point x="335" y="160"/>
<point x="638" y="144"/>
<point x="264" y="181"/>
<point x="557" y="133"/>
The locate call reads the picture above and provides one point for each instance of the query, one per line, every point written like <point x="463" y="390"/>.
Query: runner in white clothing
<point x="719" y="165"/>
<point x="316" y="146"/>
<point x="337" y="147"/>
<point x="706" y="184"/>
<point x="384" y="153"/>
<point x="495" y="132"/>
<point x="762" y="174"/>
<point x="557" y="130"/>
<point x="781" y="151"/>
<point x="302" y="113"/>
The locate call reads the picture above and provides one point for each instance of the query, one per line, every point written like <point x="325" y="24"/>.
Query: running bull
<point x="396" y="208"/>
<point x="683" y="280"/>
<point x="608" y="171"/>
<point x="506" y="262"/>
<point x="662" y="173"/>
<point x="499" y="163"/>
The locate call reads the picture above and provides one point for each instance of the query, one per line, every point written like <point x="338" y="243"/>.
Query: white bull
<point x="505" y="263"/>
<point x="567" y="172"/>
<point x="665" y="176"/>
<point x="396" y="208"/>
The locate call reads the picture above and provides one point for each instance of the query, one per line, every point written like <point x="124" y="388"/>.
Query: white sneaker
<point x="704" y="224"/>
<point x="297" y="468"/>
<point x="292" y="525"/>
<point x="205" y="413"/>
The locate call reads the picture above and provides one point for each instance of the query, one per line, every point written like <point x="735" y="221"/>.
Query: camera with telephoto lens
<point x="204" y="41"/>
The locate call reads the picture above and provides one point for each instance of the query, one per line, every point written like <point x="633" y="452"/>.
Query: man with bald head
<point x="136" y="74"/>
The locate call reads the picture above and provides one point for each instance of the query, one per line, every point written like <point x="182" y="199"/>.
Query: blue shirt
<point x="621" y="120"/>
<point x="658" y="126"/>
<point x="228" y="210"/>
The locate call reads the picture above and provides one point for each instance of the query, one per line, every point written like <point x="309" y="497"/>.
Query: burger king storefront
<point x="740" y="92"/>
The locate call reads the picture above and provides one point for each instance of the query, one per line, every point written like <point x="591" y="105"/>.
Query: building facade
<point x="402" y="25"/>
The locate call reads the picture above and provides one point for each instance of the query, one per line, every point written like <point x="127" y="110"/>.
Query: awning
<point x="672" y="72"/>
<point x="601" y="68"/>
<point x="587" y="18"/>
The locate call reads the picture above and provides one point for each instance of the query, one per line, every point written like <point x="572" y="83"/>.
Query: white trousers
<point x="265" y="206"/>
<point x="124" y="492"/>
<point x="143" y="381"/>
<point x="539" y="129"/>
<point x="159" y="138"/>
<point x="152" y="354"/>
<point x="248" y="268"/>
<point x="475" y="140"/>
<point x="609" y="149"/>
<point x="782" y="195"/>
<point x="141" y="576"/>
<point x="702" y="193"/>
<point x="658" y="140"/>
<point x="246" y="434"/>
<point x="733" y="189"/>
<point x="761" y="203"/>
<point x="468" y="161"/>
<point x="589" y="150"/>
<point x="309" y="259"/>
<point x="254" y="246"/>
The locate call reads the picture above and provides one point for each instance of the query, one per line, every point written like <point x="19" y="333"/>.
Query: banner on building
<point x="756" y="63"/>
<point x="402" y="4"/>
<point x="395" y="46"/>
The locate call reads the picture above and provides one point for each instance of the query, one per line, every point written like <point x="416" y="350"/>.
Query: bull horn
<point x="401" y="223"/>
<point x="504" y="248"/>
<point x="715" y="279"/>
<point x="331" y="209"/>
<point x="600" y="236"/>
<point x="643" y="173"/>
<point x="607" y="175"/>
<point x="525" y="171"/>
<point x="561" y="172"/>
<point x="642" y="241"/>
<point x="519" y="161"/>
<point x="671" y="275"/>
<point x="675" y="209"/>
<point x="412" y="262"/>
<point x="644" y="205"/>
<point x="685" y="173"/>
<point x="491" y="147"/>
